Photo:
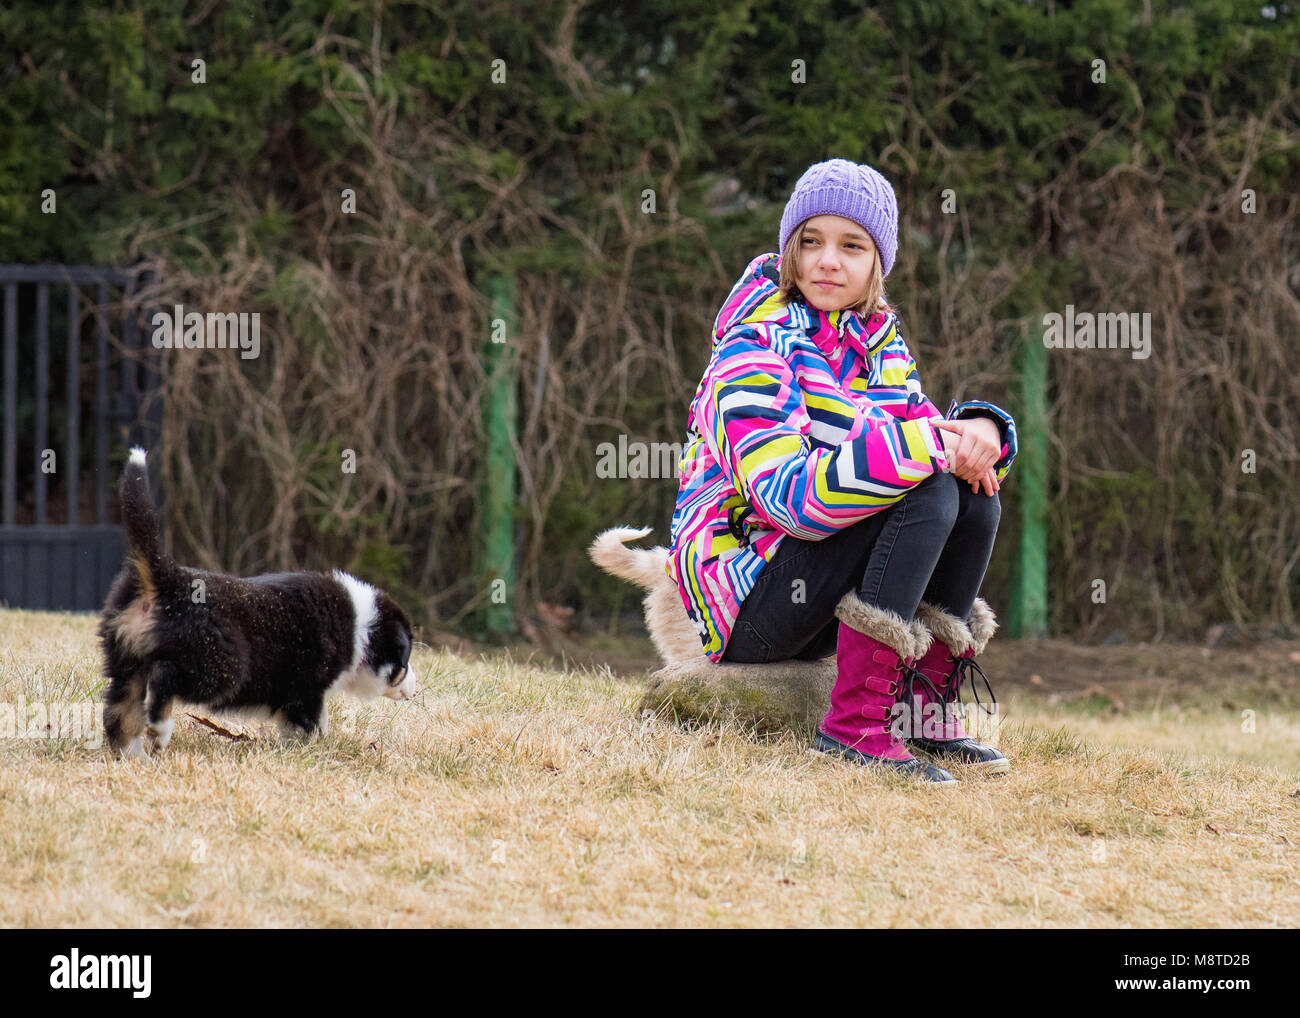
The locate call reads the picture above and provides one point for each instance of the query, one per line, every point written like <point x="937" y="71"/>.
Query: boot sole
<point x="919" y="778"/>
<point x="989" y="768"/>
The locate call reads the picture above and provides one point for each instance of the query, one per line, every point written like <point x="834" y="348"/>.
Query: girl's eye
<point x="810" y="240"/>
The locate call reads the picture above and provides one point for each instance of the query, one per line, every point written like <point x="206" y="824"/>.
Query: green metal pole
<point x="1028" y="613"/>
<point x="496" y="533"/>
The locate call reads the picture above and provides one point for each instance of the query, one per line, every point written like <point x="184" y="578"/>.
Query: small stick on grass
<point x="234" y="736"/>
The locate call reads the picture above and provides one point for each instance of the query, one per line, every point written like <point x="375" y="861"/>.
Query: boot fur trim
<point x="946" y="627"/>
<point x="921" y="638"/>
<point x="982" y="623"/>
<point x="878" y="623"/>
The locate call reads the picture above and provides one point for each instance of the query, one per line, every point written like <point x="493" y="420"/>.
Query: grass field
<point x="532" y="794"/>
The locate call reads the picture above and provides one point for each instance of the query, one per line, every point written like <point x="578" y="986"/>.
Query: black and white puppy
<point x="273" y="645"/>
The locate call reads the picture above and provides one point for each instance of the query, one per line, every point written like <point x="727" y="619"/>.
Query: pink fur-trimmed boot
<point x="937" y="731"/>
<point x="875" y="646"/>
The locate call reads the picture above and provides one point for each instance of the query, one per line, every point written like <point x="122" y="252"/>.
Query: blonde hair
<point x="872" y="301"/>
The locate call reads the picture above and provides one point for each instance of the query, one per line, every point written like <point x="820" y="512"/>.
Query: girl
<point x="822" y="507"/>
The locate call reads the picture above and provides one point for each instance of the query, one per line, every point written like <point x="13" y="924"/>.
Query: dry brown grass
<point x="509" y="794"/>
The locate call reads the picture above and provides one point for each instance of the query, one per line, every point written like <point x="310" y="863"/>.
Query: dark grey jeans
<point x="933" y="544"/>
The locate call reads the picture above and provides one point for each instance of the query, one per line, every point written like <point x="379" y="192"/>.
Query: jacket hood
<point x="755" y="297"/>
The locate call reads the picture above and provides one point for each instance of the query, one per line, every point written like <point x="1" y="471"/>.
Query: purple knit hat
<point x="855" y="191"/>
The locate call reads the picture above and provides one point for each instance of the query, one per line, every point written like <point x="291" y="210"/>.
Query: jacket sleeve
<point x="919" y="406"/>
<point x="1006" y="425"/>
<point x="754" y="417"/>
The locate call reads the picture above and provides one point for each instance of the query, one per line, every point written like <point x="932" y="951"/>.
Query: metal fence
<point x="62" y="445"/>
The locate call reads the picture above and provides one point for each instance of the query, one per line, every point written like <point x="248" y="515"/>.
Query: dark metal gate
<point x="60" y="536"/>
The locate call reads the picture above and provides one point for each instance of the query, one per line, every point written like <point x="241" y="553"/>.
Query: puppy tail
<point x="140" y="519"/>
<point x="642" y="566"/>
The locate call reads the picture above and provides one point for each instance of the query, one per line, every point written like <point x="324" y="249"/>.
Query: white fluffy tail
<point x="642" y="566"/>
<point x="674" y="635"/>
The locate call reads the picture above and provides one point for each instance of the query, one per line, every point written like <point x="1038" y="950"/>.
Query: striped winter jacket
<point x="805" y="422"/>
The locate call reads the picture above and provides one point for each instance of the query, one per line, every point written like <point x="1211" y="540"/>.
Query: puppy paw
<point x="293" y="731"/>
<point x="158" y="735"/>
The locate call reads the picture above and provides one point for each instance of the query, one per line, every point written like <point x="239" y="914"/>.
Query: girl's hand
<point x="972" y="447"/>
<point x="989" y="482"/>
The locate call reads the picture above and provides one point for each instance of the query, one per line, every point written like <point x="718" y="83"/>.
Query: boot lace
<point x="911" y="674"/>
<point x="907" y="692"/>
<point x="966" y="669"/>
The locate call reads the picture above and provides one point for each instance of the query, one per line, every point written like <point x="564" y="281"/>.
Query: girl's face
<point x="838" y="252"/>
